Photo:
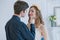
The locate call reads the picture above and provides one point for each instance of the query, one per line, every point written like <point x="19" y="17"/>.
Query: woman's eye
<point x="32" y="11"/>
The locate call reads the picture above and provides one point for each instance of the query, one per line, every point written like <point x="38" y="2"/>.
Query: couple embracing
<point x="17" y="30"/>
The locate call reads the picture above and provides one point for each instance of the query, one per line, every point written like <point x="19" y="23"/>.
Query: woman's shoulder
<point x="41" y="25"/>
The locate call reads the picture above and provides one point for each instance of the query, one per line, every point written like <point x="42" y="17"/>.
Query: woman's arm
<point x="43" y="32"/>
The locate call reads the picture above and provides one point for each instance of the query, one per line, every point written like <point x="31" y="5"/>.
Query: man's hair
<point x="20" y="6"/>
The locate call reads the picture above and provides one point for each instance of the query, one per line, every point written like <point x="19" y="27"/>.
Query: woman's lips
<point x="30" y="14"/>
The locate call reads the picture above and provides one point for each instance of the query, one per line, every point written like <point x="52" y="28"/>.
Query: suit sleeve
<point x="32" y="29"/>
<point x="28" y="35"/>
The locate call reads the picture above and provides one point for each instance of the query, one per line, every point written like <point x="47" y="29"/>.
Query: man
<point x="17" y="30"/>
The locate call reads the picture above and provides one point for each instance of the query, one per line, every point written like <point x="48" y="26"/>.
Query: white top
<point x="38" y="34"/>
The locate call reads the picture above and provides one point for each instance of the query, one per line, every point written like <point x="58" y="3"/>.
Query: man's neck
<point x="18" y="15"/>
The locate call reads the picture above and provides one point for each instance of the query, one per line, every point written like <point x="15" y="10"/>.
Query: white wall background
<point x="6" y="12"/>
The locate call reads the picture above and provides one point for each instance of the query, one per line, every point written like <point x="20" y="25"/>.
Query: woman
<point x="35" y="13"/>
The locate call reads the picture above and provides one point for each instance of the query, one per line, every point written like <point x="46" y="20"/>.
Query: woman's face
<point x="32" y="12"/>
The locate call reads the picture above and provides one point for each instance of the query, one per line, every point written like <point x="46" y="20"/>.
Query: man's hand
<point x="32" y="20"/>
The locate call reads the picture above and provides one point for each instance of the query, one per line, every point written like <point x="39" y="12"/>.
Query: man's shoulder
<point x="22" y="23"/>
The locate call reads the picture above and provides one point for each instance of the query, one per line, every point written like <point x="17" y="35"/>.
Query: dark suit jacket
<point x="17" y="30"/>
